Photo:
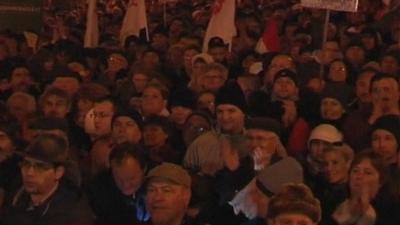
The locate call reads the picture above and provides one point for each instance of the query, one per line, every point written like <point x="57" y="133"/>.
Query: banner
<point x="337" y="5"/>
<point x="21" y="15"/>
<point x="222" y="23"/>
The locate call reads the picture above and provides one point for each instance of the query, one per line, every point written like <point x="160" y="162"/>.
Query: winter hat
<point x="264" y="123"/>
<point x="182" y="97"/>
<point x="326" y="132"/>
<point x="339" y="91"/>
<point x="231" y="94"/>
<point x="287" y="73"/>
<point x="134" y="115"/>
<point x="389" y="123"/>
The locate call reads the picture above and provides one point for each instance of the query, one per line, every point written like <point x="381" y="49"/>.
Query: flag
<point x="270" y="41"/>
<point x="92" y="26"/>
<point x="135" y="20"/>
<point x="222" y="23"/>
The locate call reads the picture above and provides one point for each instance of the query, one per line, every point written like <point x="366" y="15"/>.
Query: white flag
<point x="92" y="26"/>
<point x="135" y="19"/>
<point x="222" y="23"/>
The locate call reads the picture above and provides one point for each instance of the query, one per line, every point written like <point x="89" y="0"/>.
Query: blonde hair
<point x="344" y="150"/>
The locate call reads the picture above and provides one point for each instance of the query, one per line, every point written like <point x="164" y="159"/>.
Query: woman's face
<point x="336" y="167"/>
<point x="331" y="109"/>
<point x="364" y="177"/>
<point x="385" y="145"/>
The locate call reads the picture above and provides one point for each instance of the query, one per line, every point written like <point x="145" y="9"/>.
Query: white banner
<point x="337" y="5"/>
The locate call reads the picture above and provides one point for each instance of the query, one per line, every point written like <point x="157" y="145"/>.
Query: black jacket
<point x="111" y="206"/>
<point x="66" y="206"/>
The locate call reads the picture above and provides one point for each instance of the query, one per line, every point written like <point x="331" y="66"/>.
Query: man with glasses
<point x="45" y="197"/>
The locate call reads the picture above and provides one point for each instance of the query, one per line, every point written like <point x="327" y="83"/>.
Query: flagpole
<point x="324" y="40"/>
<point x="165" y="13"/>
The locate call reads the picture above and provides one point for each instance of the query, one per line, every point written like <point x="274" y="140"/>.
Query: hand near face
<point x="261" y="158"/>
<point x="360" y="202"/>
<point x="290" y="115"/>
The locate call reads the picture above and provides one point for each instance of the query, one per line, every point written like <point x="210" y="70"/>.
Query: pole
<point x="324" y="39"/>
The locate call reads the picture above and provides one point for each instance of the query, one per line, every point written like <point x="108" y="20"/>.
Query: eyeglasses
<point x="37" y="166"/>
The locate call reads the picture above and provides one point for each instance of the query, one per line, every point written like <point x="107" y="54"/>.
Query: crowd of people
<point x="159" y="132"/>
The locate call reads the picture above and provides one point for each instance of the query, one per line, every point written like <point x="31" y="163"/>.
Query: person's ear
<point x="60" y="170"/>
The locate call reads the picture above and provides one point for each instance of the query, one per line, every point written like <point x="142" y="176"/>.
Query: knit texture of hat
<point x="390" y="123"/>
<point x="231" y="94"/>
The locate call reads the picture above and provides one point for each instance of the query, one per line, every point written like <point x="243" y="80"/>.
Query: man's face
<point x="6" y="146"/>
<point x="167" y="202"/>
<point x="362" y="87"/>
<point x="263" y="143"/>
<point x="152" y="101"/>
<point x="385" y="93"/>
<point x="103" y="113"/>
<point x="385" y="145"/>
<point x="55" y="106"/>
<point x="230" y="118"/>
<point x="20" y="79"/>
<point x="39" y="177"/>
<point x="285" y="88"/>
<point x="213" y="80"/>
<point x="278" y="63"/>
<point x="126" y="129"/>
<point x="218" y="53"/>
<point x="68" y="84"/>
<point x="128" y="175"/>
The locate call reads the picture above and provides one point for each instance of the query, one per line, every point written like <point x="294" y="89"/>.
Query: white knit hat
<point x="325" y="132"/>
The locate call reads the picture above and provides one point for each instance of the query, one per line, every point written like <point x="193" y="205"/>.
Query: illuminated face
<point x="39" y="177"/>
<point x="230" y="118"/>
<point x="167" y="202"/>
<point x="385" y="92"/>
<point x="331" y="109"/>
<point x="103" y="113"/>
<point x="285" y="88"/>
<point x="336" y="167"/>
<point x="364" y="177"/>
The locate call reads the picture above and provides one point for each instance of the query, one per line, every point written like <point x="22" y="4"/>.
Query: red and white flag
<point x="92" y="26"/>
<point x="135" y="20"/>
<point x="222" y="23"/>
<point x="270" y="41"/>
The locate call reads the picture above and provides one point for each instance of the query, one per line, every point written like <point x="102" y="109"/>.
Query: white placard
<point x="337" y="5"/>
